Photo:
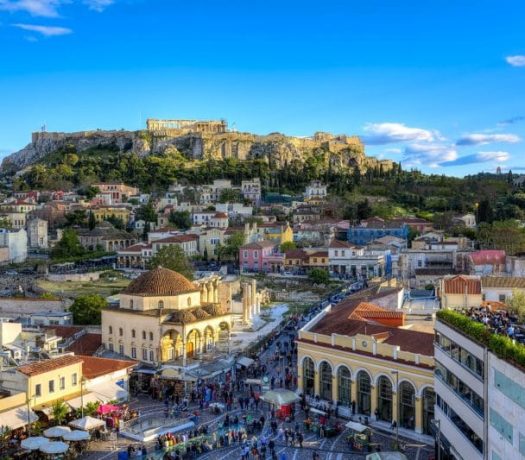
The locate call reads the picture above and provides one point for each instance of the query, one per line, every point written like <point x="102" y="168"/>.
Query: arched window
<point x="133" y="333"/>
<point x="343" y="386"/>
<point x="131" y="303"/>
<point x="308" y="376"/>
<point x="363" y="393"/>
<point x="429" y="399"/>
<point x="189" y="301"/>
<point x="325" y="383"/>
<point x="151" y="335"/>
<point x="161" y="304"/>
<point x="111" y="329"/>
<point x="407" y="405"/>
<point x="384" y="399"/>
<point x="143" y="335"/>
<point x="120" y="331"/>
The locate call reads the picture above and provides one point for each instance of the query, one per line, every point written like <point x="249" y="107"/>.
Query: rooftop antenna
<point x="43" y="128"/>
<point x="234" y="127"/>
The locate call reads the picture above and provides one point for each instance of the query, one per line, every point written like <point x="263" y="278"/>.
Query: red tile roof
<point x="87" y="344"/>
<point x="259" y="245"/>
<point x="160" y="282"/>
<point x="462" y="284"/>
<point x="340" y="244"/>
<point x="319" y="254"/>
<point x="295" y="254"/>
<point x="338" y="321"/>
<point x="64" y="331"/>
<point x="177" y="239"/>
<point x="48" y="365"/>
<point x="93" y="367"/>
<point x="488" y="257"/>
<point x="220" y="215"/>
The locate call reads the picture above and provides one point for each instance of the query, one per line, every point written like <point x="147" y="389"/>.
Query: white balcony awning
<point x="17" y="418"/>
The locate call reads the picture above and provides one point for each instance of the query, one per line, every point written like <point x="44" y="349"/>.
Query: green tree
<point x="59" y="411"/>
<point x="5" y="223"/>
<point x="92" y="222"/>
<point x="230" y="250"/>
<point x="516" y="303"/>
<point x="318" y="276"/>
<point x="173" y="257"/>
<point x="68" y="246"/>
<point x="229" y="195"/>
<point x="87" y="309"/>
<point x="485" y="213"/>
<point x="287" y="246"/>
<point x="181" y="219"/>
<point x="147" y="213"/>
<point x="364" y="210"/>
<point x="76" y="218"/>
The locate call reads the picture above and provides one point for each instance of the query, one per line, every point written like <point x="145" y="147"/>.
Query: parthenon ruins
<point x="187" y="126"/>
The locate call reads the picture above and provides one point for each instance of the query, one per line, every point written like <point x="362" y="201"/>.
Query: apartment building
<point x="480" y="397"/>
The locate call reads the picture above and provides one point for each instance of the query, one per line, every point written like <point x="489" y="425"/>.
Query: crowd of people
<point x="499" y="321"/>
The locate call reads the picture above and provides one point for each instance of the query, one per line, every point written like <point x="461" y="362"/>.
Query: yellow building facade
<point x="383" y="372"/>
<point x="106" y="212"/>
<point x="163" y="317"/>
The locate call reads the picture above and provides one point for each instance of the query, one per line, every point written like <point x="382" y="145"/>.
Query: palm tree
<point x="59" y="411"/>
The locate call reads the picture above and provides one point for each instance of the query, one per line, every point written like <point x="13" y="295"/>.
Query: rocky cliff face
<point x="277" y="149"/>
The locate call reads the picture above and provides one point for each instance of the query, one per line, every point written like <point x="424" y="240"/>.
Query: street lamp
<point x="396" y="373"/>
<point x="82" y="382"/>
<point x="437" y="423"/>
<point x="28" y="402"/>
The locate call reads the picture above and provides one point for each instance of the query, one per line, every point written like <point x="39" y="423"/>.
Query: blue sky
<point x="438" y="85"/>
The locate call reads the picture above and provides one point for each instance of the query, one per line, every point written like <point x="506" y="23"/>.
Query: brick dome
<point x="160" y="282"/>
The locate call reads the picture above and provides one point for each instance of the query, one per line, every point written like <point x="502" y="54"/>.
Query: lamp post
<point x="396" y="373"/>
<point x="82" y="382"/>
<point x="437" y="423"/>
<point x="28" y="402"/>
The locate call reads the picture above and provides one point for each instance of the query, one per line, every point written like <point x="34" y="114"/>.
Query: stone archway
<point x="168" y="345"/>
<point x="193" y="343"/>
<point x="208" y="343"/>
<point x="325" y="381"/>
<point x="384" y="399"/>
<point x="364" y="392"/>
<point x="344" y="386"/>
<point x="308" y="376"/>
<point x="407" y="405"/>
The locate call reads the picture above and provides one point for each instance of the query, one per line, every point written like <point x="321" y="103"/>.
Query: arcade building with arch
<point x="164" y="318"/>
<point x="369" y="361"/>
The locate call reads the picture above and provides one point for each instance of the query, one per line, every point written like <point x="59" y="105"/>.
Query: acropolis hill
<point x="203" y="140"/>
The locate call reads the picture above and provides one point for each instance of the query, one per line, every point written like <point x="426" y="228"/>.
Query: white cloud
<point x="430" y="155"/>
<point x="98" y="5"/>
<point x="498" y="156"/>
<point x="46" y="31"/>
<point x="43" y="8"/>
<point x="393" y="150"/>
<point x="480" y="157"/>
<point x="387" y="133"/>
<point x="481" y="139"/>
<point x="516" y="61"/>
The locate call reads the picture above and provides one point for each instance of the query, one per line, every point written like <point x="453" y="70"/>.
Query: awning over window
<point x="76" y="403"/>
<point x="109" y="391"/>
<point x="16" y="418"/>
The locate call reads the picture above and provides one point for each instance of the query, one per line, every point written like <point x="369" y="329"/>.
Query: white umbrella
<point x="34" y="442"/>
<point x="56" y="431"/>
<point x="87" y="423"/>
<point x="77" y="435"/>
<point x="280" y="397"/>
<point x="54" y="447"/>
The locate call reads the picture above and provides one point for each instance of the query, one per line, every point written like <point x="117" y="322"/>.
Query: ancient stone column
<point x="245" y="309"/>
<point x="204" y="293"/>
<point x="216" y="291"/>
